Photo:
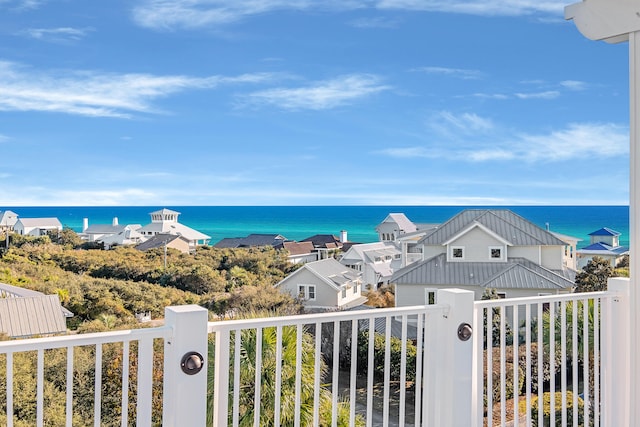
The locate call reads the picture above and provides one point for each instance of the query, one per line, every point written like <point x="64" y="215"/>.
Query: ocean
<point x="300" y="222"/>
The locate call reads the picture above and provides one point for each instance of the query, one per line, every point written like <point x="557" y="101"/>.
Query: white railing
<point x="560" y="350"/>
<point x="342" y="368"/>
<point x="379" y="367"/>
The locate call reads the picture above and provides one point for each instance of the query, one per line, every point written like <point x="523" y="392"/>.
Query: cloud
<point x="452" y="72"/>
<point x="191" y="14"/>
<point x="168" y="14"/>
<point x="576" y="142"/>
<point x="22" y="5"/>
<point x="61" y="34"/>
<point x="573" y="85"/>
<point x="479" y="7"/>
<point x="321" y="95"/>
<point x="449" y="124"/>
<point x="90" y="93"/>
<point x="377" y="22"/>
<point x="549" y="94"/>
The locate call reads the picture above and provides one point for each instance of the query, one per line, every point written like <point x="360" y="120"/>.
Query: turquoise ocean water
<point x="299" y="222"/>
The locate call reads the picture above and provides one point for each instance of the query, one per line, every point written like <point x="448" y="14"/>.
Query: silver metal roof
<point x="33" y="315"/>
<point x="516" y="273"/>
<point x="511" y="227"/>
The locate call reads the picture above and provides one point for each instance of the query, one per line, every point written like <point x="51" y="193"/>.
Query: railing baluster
<point x="597" y="365"/>
<point x="527" y="333"/>
<point x="145" y="381"/>
<point x="353" y="367"/>
<point x="387" y="371"/>
<point x="370" y="372"/>
<point x="586" y="356"/>
<point x="69" y="390"/>
<point x="125" y="384"/>
<point x="40" y="389"/>
<point x="563" y="358"/>
<point x="237" y="345"/>
<point x="9" y="370"/>
<point x="403" y="372"/>
<point x="316" y="383"/>
<point x="419" y="358"/>
<point x="278" y="379"/>
<point x="516" y="365"/>
<point x="97" y="396"/>
<point x="299" y="332"/>
<point x="540" y="335"/>
<point x="335" y="366"/>
<point x="258" y="378"/>
<point x="575" y="359"/>
<point x="503" y="366"/>
<point x="490" y="367"/>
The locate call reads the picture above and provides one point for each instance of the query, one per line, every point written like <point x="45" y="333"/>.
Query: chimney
<point x="115" y="221"/>
<point x="343" y="236"/>
<point x="85" y="224"/>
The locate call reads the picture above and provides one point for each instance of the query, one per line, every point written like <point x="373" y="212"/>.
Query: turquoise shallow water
<point x="299" y="222"/>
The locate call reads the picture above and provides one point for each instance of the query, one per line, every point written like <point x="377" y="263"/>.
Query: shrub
<point x="546" y="409"/>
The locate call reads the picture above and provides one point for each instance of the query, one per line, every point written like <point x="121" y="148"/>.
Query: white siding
<point x="476" y="245"/>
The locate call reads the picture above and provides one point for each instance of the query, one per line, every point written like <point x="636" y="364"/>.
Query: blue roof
<point x="604" y="249"/>
<point x="604" y="232"/>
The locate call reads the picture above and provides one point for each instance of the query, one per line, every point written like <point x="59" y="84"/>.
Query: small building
<point x="324" y="285"/>
<point x="299" y="252"/>
<point x="172" y="241"/>
<point x="393" y="226"/>
<point x="165" y="221"/>
<point x="377" y="261"/>
<point x="25" y="313"/>
<point x="8" y="220"/>
<point x="113" y="234"/>
<point x="37" y="226"/>
<point x="251" y="241"/>
<point x="604" y="243"/>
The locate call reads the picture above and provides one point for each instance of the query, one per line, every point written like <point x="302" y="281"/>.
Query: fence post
<point x="455" y="376"/>
<point x="185" y="367"/>
<point x="616" y="354"/>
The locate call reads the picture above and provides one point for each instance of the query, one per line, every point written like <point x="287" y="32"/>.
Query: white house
<point x="393" y="226"/>
<point x="376" y="261"/>
<point x="486" y="249"/>
<point x="8" y="220"/>
<point x="165" y="221"/>
<point x="324" y="285"/>
<point x="37" y="226"/>
<point x="605" y="243"/>
<point x="112" y="234"/>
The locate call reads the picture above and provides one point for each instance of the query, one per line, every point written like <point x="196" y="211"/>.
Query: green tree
<point x="594" y="275"/>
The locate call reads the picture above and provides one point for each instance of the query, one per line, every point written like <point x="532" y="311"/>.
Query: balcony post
<point x="616" y="354"/>
<point x="455" y="374"/>
<point x="185" y="373"/>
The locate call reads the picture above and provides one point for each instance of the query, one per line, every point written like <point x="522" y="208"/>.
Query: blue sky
<point x="308" y="102"/>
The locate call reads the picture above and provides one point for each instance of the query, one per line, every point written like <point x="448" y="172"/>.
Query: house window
<point x="457" y="253"/>
<point x="302" y="294"/>
<point x="311" y="292"/>
<point x="344" y="292"/>
<point x="396" y="256"/>
<point x="430" y="296"/>
<point x="307" y="292"/>
<point x="495" y="253"/>
<point x="502" y="295"/>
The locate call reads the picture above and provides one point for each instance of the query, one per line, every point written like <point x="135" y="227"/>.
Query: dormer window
<point x="457" y="252"/>
<point x="495" y="253"/>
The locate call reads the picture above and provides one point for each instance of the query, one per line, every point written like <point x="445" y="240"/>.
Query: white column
<point x="184" y="395"/>
<point x="456" y="373"/>
<point x="634" y="216"/>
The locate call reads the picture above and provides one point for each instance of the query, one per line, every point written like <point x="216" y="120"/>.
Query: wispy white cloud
<point x="61" y="34"/>
<point x="376" y="22"/>
<point x="171" y="14"/>
<point x="320" y="95"/>
<point x="577" y="141"/>
<point x="549" y="94"/>
<point x="478" y="7"/>
<point x="449" y="124"/>
<point x="98" y="94"/>
<point x="21" y="5"/>
<point x="452" y="72"/>
<point x="574" y="85"/>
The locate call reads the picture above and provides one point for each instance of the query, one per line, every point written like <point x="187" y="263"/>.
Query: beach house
<point x="37" y="226"/>
<point x="480" y="249"/>
<point x="376" y="261"/>
<point x="324" y="285"/>
<point x="165" y="221"/>
<point x="604" y="243"/>
<point x="113" y="234"/>
<point x="7" y="220"/>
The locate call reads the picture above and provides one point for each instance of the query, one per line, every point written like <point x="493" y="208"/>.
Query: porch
<point x="454" y="363"/>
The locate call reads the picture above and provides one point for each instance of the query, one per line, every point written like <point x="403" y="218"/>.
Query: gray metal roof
<point x="516" y="273"/>
<point x="404" y="224"/>
<point x="158" y="241"/>
<point x="29" y="316"/>
<point x="511" y="227"/>
<point x="251" y="240"/>
<point x="332" y="270"/>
